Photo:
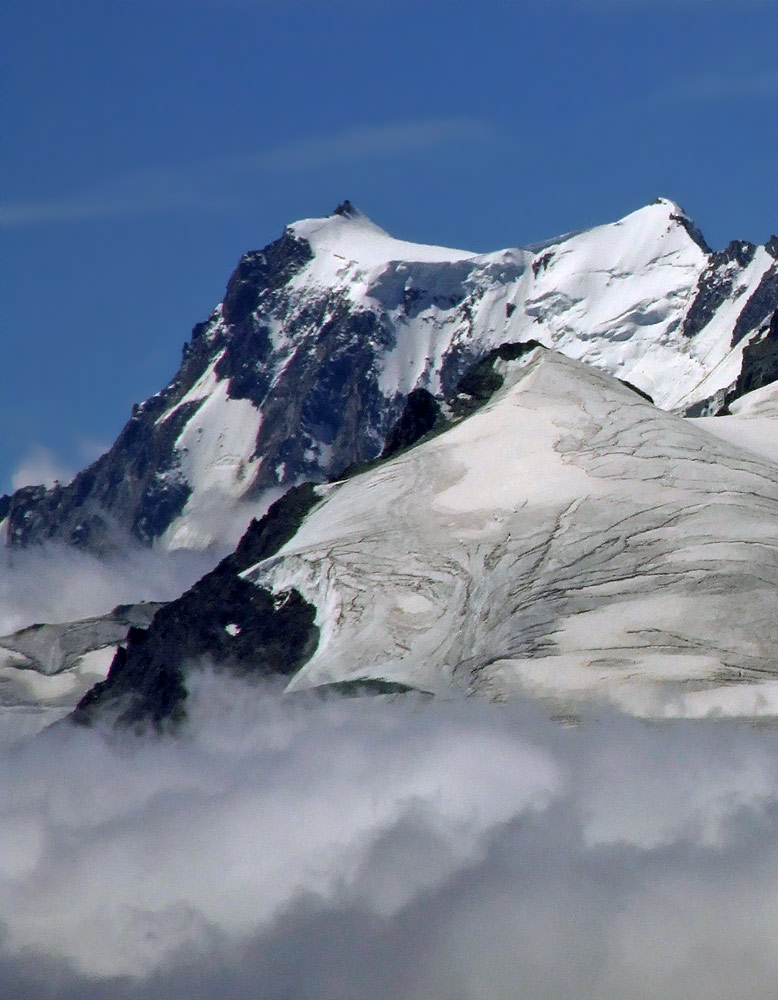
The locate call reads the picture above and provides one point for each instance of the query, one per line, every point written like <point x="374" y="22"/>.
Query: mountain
<point x="443" y="471"/>
<point x="323" y="336"/>
<point x="553" y="532"/>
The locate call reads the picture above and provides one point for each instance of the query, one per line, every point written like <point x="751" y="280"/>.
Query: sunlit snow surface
<point x="753" y="424"/>
<point x="569" y="540"/>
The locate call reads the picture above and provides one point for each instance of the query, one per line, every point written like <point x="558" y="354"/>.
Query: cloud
<point x="726" y="86"/>
<point x="368" y="143"/>
<point x="40" y="468"/>
<point x="141" y="192"/>
<point x="55" y="583"/>
<point x="390" y="849"/>
<point x="206" y="186"/>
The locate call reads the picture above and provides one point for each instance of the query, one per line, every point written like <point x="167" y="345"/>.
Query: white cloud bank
<point x="374" y="849"/>
<point x="55" y="583"/>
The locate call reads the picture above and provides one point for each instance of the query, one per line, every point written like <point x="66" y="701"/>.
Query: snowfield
<point x="753" y="424"/>
<point x="570" y="540"/>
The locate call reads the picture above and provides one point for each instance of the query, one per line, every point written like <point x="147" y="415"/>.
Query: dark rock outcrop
<point x="692" y="230"/>
<point x="482" y="380"/>
<point x="716" y="284"/>
<point x="758" y="369"/>
<point x="262" y="272"/>
<point x="760" y="361"/>
<point x="419" y="417"/>
<point x="235" y="625"/>
<point x="135" y="490"/>
<point x="243" y="628"/>
<point x="138" y="476"/>
<point x="759" y="305"/>
<point x="345" y="208"/>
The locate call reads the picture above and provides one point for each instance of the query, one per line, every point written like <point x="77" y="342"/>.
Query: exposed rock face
<point x="136" y="489"/>
<point x="759" y="305"/>
<point x="262" y="272"/>
<point x="479" y="383"/>
<point x="759" y="368"/>
<point x="232" y="623"/>
<point x="420" y="415"/>
<point x="330" y="334"/>
<point x="247" y="629"/>
<point x="716" y="284"/>
<point x="760" y="361"/>
<point x="136" y="481"/>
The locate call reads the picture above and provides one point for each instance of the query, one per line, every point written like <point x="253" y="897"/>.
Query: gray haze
<point x="56" y="583"/>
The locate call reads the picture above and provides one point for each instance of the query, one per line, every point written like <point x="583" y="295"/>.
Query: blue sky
<point x="148" y="143"/>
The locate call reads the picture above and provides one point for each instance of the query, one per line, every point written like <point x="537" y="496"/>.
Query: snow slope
<point x="753" y="424"/>
<point x="569" y="539"/>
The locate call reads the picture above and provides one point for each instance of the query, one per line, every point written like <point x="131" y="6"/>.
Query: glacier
<point x="569" y="540"/>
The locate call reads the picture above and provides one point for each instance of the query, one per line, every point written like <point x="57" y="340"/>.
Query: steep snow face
<point x="217" y="461"/>
<point x="568" y="539"/>
<point x="306" y="365"/>
<point x="615" y="297"/>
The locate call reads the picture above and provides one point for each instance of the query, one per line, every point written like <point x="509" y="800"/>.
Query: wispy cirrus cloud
<point x="720" y="86"/>
<point x="206" y="185"/>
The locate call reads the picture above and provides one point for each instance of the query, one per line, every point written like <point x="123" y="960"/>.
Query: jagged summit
<point x="674" y="211"/>
<point x="345" y="208"/>
<point x="521" y="543"/>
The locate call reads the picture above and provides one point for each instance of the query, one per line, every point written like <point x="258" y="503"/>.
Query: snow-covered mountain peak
<point x="350" y="237"/>
<point x="323" y="334"/>
<point x="659" y="232"/>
